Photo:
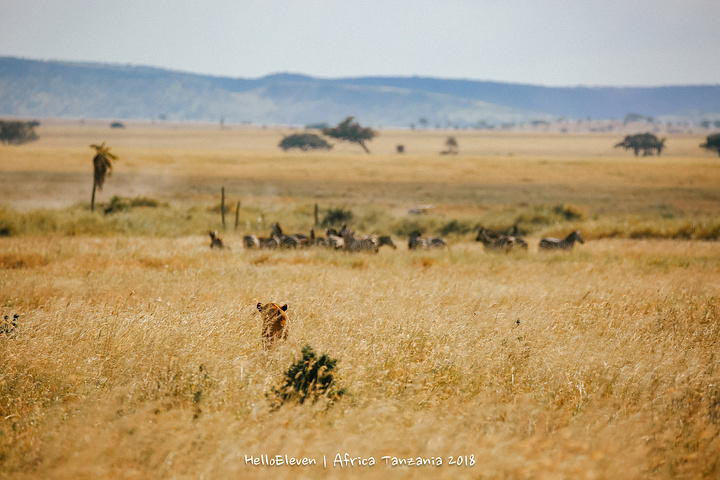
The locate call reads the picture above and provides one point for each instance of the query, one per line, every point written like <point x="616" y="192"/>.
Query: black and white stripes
<point x="566" y="243"/>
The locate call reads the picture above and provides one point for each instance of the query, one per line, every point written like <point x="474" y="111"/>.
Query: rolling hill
<point x="30" y="88"/>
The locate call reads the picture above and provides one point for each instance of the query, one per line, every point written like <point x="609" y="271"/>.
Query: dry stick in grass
<point x="237" y="215"/>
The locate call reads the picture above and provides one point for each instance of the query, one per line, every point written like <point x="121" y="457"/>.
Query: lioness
<point x="274" y="323"/>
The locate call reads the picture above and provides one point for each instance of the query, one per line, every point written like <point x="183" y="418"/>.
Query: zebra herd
<point x="493" y="240"/>
<point x="346" y="239"/>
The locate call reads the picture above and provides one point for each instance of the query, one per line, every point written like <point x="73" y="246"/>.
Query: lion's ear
<point x="284" y="308"/>
<point x="260" y="306"/>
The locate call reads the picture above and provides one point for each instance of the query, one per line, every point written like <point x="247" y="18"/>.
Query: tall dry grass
<point x="140" y="357"/>
<point x="137" y="349"/>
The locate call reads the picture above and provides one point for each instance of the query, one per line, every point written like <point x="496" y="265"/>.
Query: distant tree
<point x="17" y="133"/>
<point x="316" y="126"/>
<point x="452" y="146"/>
<point x="102" y="163"/>
<point x="304" y="141"/>
<point x="117" y="125"/>
<point x="483" y="125"/>
<point x="351" y="131"/>
<point x="636" y="117"/>
<point x="712" y="143"/>
<point x="647" y="142"/>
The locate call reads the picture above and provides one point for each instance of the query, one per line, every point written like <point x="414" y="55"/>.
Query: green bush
<point x="544" y="215"/>
<point x="309" y="378"/>
<point x="7" y="225"/>
<point x="335" y="217"/>
<point x="568" y="212"/>
<point x="416" y="223"/>
<point x="456" y="227"/>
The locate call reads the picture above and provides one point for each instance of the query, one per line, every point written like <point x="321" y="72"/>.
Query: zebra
<point x="335" y="241"/>
<point x="314" y="241"/>
<point x="293" y="241"/>
<point x="288" y="241"/>
<point x="495" y="241"/>
<point x="358" y="244"/>
<point x="331" y="240"/>
<point x="416" y="241"/>
<point x="215" y="240"/>
<point x="253" y="241"/>
<point x="268" y="242"/>
<point x="515" y="233"/>
<point x="564" y="244"/>
<point x="386" y="240"/>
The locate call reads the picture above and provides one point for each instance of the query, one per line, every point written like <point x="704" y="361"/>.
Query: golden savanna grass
<point x="137" y="352"/>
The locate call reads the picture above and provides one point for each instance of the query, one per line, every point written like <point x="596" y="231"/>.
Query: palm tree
<point x="102" y="162"/>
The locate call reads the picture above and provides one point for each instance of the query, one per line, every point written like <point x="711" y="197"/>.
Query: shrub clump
<point x="120" y="204"/>
<point x="422" y="224"/>
<point x="336" y="216"/>
<point x="568" y="212"/>
<point x="456" y="227"/>
<point x="309" y="378"/>
<point x="7" y="226"/>
<point x="544" y="215"/>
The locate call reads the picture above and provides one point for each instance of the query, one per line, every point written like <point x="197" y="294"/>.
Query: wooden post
<point x="222" y="206"/>
<point x="237" y="215"/>
<point x="316" y="215"/>
<point x="92" y="200"/>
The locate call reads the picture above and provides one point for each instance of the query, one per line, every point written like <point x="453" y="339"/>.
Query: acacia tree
<point x="304" y="141"/>
<point x="102" y="164"/>
<point x="17" y="133"/>
<point x="351" y="131"/>
<point x="712" y="143"/>
<point x="647" y="142"/>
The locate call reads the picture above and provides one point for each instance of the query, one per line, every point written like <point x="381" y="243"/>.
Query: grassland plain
<point x="137" y="349"/>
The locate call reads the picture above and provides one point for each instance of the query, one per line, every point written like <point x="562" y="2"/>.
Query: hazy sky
<point x="546" y="42"/>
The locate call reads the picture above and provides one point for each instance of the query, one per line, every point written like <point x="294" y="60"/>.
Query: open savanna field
<point x="136" y="349"/>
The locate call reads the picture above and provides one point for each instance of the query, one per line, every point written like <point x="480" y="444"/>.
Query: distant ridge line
<point x="109" y="90"/>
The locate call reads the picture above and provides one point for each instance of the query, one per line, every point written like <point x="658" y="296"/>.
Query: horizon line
<point x="349" y="77"/>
